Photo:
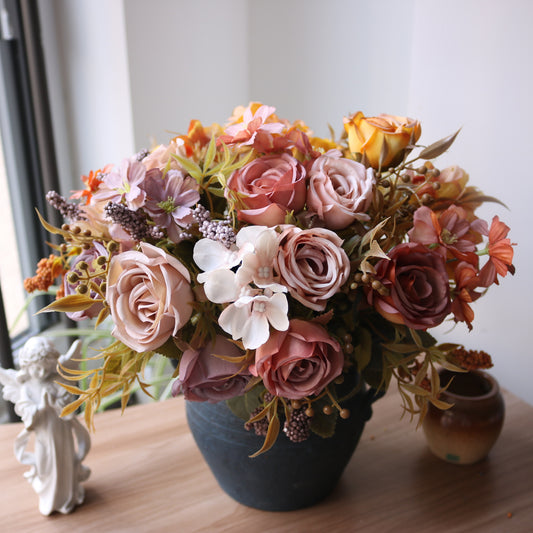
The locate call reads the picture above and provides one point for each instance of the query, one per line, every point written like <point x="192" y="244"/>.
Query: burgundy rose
<point x="298" y="362"/>
<point x="269" y="187"/>
<point x="205" y="377"/>
<point x="418" y="292"/>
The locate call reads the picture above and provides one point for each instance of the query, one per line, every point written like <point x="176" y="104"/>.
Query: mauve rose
<point x="298" y="362"/>
<point x="270" y="186"/>
<point x="417" y="283"/>
<point x="312" y="265"/>
<point x="340" y="190"/>
<point x="149" y="295"/>
<point x="88" y="256"/>
<point x="205" y="377"/>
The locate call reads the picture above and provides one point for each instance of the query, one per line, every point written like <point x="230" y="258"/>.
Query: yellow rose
<point x="382" y="139"/>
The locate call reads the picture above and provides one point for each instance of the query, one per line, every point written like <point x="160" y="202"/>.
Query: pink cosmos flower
<point x="123" y="184"/>
<point x="149" y="296"/>
<point x="169" y="199"/>
<point x="298" y="362"/>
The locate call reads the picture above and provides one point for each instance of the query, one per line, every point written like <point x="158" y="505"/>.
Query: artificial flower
<point x="298" y="362"/>
<point x="149" y="295"/>
<point x="340" y="190"/>
<point x="382" y="140"/>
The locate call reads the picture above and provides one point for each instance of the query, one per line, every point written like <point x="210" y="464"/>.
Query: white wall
<point x="471" y="68"/>
<point x="86" y="57"/>
<point x="151" y="67"/>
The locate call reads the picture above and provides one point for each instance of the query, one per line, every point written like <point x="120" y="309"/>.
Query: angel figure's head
<point x="38" y="358"/>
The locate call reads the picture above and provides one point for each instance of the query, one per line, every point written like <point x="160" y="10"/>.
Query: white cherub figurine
<point x="56" y="469"/>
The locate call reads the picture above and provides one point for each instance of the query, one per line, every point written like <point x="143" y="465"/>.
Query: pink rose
<point x="417" y="284"/>
<point x="149" y="295"/>
<point x="340" y="190"/>
<point x="312" y="265"/>
<point x="270" y="186"/>
<point x="298" y="362"/>
<point x="205" y="377"/>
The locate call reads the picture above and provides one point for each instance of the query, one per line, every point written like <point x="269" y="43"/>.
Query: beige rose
<point x="340" y="190"/>
<point x="312" y="265"/>
<point x="382" y="139"/>
<point x="149" y="295"/>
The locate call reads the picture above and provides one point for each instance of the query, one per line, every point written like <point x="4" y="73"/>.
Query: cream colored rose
<point x="340" y="190"/>
<point x="149" y="295"/>
<point x="382" y="139"/>
<point x="312" y="265"/>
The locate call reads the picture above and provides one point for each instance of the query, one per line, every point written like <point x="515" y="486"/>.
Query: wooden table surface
<point x="148" y="476"/>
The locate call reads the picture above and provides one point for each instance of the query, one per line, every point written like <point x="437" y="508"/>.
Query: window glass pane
<point x="10" y="272"/>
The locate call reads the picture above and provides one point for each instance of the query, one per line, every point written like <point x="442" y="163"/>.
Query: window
<point x="28" y="169"/>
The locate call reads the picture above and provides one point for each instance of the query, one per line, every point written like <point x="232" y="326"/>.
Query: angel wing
<point x="12" y="387"/>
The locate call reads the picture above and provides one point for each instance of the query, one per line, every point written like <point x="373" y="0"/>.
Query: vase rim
<point x="481" y="376"/>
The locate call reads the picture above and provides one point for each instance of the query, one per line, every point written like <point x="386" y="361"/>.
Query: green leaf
<point x="210" y="154"/>
<point x="439" y="147"/>
<point x="191" y="167"/>
<point x="72" y="302"/>
<point x="169" y="349"/>
<point x="243" y="406"/>
<point x="363" y="351"/>
<point x="272" y="434"/>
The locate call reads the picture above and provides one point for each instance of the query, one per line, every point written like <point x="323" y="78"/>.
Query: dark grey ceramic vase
<point x="290" y="475"/>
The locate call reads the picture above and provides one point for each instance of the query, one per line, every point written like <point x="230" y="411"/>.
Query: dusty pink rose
<point x="149" y="295"/>
<point x="298" y="362"/>
<point x="205" y="377"/>
<point x="312" y="265"/>
<point x="418" y="288"/>
<point x="270" y="186"/>
<point x="340" y="190"/>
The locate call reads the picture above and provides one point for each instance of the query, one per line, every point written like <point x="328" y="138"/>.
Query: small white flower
<point x="249" y="318"/>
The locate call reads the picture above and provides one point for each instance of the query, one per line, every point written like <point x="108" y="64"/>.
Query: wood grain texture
<point x="148" y="476"/>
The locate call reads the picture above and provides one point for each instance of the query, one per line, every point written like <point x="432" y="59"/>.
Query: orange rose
<point x="382" y="139"/>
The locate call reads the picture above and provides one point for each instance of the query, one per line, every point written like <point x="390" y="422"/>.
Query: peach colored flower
<point x="500" y="252"/>
<point x="149" y="295"/>
<point x="254" y="119"/>
<point x="448" y="231"/>
<point x="340" y="190"/>
<point x="312" y="265"/>
<point x="298" y="362"/>
<point x="269" y="187"/>
<point x="466" y="281"/>
<point x="382" y="139"/>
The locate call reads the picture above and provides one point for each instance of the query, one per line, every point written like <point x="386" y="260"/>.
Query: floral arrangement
<point x="269" y="263"/>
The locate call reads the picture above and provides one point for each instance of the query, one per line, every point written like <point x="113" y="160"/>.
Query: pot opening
<point x="470" y="384"/>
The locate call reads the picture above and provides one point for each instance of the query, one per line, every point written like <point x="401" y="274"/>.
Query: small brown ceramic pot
<point x="465" y="433"/>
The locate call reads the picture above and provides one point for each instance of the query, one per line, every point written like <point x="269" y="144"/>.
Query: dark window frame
<point x="29" y="151"/>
